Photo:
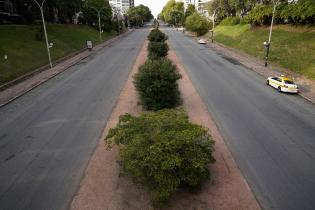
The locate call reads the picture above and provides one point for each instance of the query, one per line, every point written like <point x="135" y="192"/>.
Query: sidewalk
<point x="15" y="91"/>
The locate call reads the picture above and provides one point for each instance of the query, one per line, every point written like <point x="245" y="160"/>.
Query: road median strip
<point x="103" y="188"/>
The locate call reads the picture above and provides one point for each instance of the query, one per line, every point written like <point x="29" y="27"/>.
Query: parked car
<point x="282" y="84"/>
<point x="202" y="41"/>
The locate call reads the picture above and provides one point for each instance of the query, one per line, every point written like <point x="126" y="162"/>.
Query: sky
<point x="155" y="6"/>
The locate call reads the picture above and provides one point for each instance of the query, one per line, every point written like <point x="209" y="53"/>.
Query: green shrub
<point x="198" y="24"/>
<point x="157" y="36"/>
<point x="163" y="151"/>
<point x="156" y="83"/>
<point x="157" y="50"/>
<point x="230" y="21"/>
<point x="244" y="21"/>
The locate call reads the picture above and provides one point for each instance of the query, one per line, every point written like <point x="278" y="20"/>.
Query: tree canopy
<point x="139" y="14"/>
<point x="173" y="13"/>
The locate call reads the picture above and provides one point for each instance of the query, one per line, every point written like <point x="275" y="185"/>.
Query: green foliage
<point x="292" y="46"/>
<point x="90" y="16"/>
<point x="156" y="83"/>
<point x="157" y="50"/>
<point x="260" y="15"/>
<point x="164" y="151"/>
<point x="191" y="9"/>
<point x="139" y="14"/>
<point x="230" y="21"/>
<point x="197" y="23"/>
<point x="157" y="36"/>
<point x="25" y="53"/>
<point x="301" y="12"/>
<point x="173" y="13"/>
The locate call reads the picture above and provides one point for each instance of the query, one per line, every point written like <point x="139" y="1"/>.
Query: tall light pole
<point x="99" y="19"/>
<point x="267" y="44"/>
<point x="44" y="25"/>
<point x="98" y="10"/>
<point x="213" y="22"/>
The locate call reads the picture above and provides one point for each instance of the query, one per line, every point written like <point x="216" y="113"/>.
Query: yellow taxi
<point x="282" y="84"/>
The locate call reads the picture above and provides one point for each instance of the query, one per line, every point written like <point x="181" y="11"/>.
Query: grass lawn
<point x="291" y="47"/>
<point x="25" y="53"/>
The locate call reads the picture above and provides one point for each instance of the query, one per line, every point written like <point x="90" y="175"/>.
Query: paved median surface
<point x="271" y="135"/>
<point x="48" y="135"/>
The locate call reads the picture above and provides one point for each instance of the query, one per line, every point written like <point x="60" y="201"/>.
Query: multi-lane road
<point x="271" y="135"/>
<point x="48" y="135"/>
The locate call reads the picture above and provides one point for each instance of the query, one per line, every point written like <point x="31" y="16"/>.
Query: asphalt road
<point x="271" y="135"/>
<point x="48" y="135"/>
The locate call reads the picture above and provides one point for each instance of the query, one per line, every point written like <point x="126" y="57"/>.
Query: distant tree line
<point x="138" y="15"/>
<point x="259" y="12"/>
<point x="175" y="14"/>
<point x="72" y="11"/>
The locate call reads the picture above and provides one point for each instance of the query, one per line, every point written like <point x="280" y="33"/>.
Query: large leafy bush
<point x="230" y="21"/>
<point x="164" y="151"/>
<point x="157" y="36"/>
<point x="156" y="83"/>
<point x="157" y="50"/>
<point x="300" y="12"/>
<point x="198" y="24"/>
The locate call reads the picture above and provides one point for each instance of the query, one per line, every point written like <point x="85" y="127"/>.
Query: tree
<point x="191" y="9"/>
<point x="197" y="23"/>
<point x="173" y="13"/>
<point x="139" y="14"/>
<point x="97" y="11"/>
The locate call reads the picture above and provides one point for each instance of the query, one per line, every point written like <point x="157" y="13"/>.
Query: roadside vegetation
<point x="244" y="25"/>
<point x="292" y="46"/>
<point x="175" y="14"/>
<point x="162" y="150"/>
<point x="26" y="53"/>
<point x="69" y="25"/>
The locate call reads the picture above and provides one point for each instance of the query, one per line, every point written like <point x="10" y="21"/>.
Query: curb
<point x="46" y="67"/>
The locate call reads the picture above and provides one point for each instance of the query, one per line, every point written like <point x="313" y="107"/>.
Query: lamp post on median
<point x="267" y="44"/>
<point x="48" y="46"/>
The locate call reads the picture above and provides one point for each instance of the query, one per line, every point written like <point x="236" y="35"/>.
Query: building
<point x="199" y="5"/>
<point x="121" y="6"/>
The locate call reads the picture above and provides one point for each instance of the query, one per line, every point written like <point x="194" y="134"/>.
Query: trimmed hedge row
<point x="162" y="149"/>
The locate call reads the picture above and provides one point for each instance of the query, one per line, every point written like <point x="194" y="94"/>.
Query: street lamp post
<point x="213" y="22"/>
<point x="267" y="44"/>
<point x="44" y="25"/>
<point x="99" y="18"/>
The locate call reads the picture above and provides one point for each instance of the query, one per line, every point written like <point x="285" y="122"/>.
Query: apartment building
<point x="199" y="5"/>
<point x="121" y="6"/>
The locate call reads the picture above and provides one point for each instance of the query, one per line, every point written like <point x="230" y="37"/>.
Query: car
<point x="282" y="84"/>
<point x="181" y="29"/>
<point x="202" y="41"/>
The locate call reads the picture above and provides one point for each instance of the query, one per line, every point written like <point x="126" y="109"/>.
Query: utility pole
<point x="44" y="26"/>
<point x="267" y="44"/>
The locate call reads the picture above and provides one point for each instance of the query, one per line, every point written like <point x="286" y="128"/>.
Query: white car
<point x="282" y="84"/>
<point x="202" y="41"/>
<point x="181" y="29"/>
